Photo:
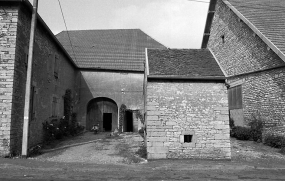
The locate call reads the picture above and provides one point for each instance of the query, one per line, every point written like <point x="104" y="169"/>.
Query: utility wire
<point x="198" y="1"/>
<point x="67" y="30"/>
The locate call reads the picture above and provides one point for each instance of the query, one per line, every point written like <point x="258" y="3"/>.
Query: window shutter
<point x="235" y="97"/>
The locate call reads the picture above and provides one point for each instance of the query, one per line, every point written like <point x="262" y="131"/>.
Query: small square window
<point x="188" y="138"/>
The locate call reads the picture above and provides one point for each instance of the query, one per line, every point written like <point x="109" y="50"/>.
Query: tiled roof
<point x="115" y="49"/>
<point x="268" y="16"/>
<point x="265" y="17"/>
<point x="194" y="63"/>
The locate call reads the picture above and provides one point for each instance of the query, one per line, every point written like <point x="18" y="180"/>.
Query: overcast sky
<point x="174" y="23"/>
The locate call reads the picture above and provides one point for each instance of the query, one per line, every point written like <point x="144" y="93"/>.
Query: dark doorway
<point x="129" y="121"/>
<point x="107" y="121"/>
<point x="96" y="110"/>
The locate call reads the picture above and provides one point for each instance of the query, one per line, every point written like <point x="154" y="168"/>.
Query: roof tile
<point x="183" y="62"/>
<point x="117" y="49"/>
<point x="268" y="16"/>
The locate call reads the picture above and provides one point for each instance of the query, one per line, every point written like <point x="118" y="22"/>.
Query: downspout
<point x="25" y="139"/>
<point x="146" y="72"/>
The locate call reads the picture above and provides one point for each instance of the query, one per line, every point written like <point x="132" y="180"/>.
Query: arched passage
<point x="104" y="112"/>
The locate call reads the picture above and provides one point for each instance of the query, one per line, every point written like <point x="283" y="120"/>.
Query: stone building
<point x="247" y="39"/>
<point x="187" y="105"/>
<point x="103" y="72"/>
<point x="111" y="66"/>
<point x="53" y="73"/>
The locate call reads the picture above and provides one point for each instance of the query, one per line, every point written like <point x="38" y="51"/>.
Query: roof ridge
<point x="102" y="29"/>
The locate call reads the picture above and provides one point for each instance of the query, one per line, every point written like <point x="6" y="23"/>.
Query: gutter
<point x="208" y="25"/>
<point x="257" y="71"/>
<point x="177" y="77"/>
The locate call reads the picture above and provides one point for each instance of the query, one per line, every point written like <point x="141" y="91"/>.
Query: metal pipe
<point x="25" y="140"/>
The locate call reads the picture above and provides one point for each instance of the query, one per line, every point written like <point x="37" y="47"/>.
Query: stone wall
<point x="8" y="29"/>
<point x="241" y="50"/>
<point x="175" y="109"/>
<point x="242" y="53"/>
<point x="264" y="94"/>
<point x="46" y="84"/>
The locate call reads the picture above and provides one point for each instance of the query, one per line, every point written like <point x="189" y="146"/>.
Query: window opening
<point x="188" y="138"/>
<point x="56" y="66"/>
<point x="54" y="106"/>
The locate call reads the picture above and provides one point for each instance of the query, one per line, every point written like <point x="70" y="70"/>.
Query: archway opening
<point x="103" y="112"/>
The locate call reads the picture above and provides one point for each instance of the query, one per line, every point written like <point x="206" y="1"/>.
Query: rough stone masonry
<point x="196" y="111"/>
<point x="8" y="29"/>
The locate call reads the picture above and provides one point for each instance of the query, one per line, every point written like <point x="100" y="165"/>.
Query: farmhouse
<point x="247" y="39"/>
<point x="104" y="71"/>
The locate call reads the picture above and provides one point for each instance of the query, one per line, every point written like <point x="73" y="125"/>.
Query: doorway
<point x="103" y="112"/>
<point x="128" y="121"/>
<point x="107" y="121"/>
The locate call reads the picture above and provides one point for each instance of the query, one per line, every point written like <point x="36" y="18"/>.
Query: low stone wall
<point x="187" y="120"/>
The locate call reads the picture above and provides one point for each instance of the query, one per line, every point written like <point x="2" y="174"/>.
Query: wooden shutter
<point x="235" y="97"/>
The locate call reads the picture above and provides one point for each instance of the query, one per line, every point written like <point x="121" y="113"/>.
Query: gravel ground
<point x="105" y="149"/>
<point x="255" y="152"/>
<point x="113" y="158"/>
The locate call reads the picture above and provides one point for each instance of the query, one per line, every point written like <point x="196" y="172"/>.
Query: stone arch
<point x="104" y="112"/>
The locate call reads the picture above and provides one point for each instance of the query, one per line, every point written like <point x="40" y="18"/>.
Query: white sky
<point x="174" y="23"/>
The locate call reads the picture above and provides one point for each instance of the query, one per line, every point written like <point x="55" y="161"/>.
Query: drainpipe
<point x="28" y="83"/>
<point x="145" y="91"/>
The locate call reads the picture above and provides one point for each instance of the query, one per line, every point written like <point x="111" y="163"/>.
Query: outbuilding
<point x="187" y="105"/>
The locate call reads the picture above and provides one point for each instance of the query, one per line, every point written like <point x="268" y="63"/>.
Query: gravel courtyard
<point x="101" y="157"/>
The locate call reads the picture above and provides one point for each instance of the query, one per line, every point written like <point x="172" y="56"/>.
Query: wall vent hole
<point x="188" y="138"/>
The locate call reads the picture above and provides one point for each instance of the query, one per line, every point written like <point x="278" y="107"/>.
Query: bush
<point x="232" y="127"/>
<point x="256" y="127"/>
<point x="241" y="133"/>
<point x="58" y="128"/>
<point x="276" y="141"/>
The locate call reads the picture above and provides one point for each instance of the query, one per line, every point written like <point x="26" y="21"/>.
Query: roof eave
<point x="207" y="29"/>
<point x="30" y="8"/>
<point x="177" y="77"/>
<point x="106" y="69"/>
